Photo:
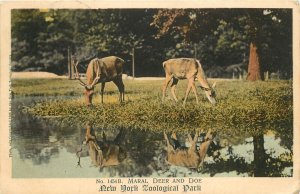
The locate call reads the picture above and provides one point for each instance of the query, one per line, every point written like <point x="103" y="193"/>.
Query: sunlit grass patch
<point x="250" y="107"/>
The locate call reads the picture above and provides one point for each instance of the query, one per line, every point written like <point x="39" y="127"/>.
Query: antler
<point x="96" y="78"/>
<point x="95" y="81"/>
<point x="77" y="75"/>
<point x="78" y="155"/>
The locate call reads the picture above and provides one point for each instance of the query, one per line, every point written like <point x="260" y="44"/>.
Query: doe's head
<point x="211" y="94"/>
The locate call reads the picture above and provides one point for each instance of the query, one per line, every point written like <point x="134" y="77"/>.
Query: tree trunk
<point x="254" y="65"/>
<point x="259" y="156"/>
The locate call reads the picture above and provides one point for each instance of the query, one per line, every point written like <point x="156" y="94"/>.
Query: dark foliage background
<point x="220" y="38"/>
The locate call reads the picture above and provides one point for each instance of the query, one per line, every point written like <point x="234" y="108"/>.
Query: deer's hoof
<point x="165" y="135"/>
<point x="174" y="136"/>
<point x="90" y="106"/>
<point x="200" y="168"/>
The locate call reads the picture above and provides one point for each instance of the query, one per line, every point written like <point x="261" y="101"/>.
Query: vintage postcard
<point x="149" y="97"/>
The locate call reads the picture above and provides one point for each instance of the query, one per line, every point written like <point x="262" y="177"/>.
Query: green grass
<point x="250" y="107"/>
<point x="45" y="87"/>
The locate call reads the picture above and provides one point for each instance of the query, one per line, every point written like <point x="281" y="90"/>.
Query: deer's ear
<point x="214" y="85"/>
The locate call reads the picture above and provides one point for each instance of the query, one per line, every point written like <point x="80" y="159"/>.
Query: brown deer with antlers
<point x="101" y="71"/>
<point x="103" y="153"/>
<point x="188" y="157"/>
<point x="187" y="68"/>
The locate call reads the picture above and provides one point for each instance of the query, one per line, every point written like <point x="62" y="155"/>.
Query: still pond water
<point x="41" y="149"/>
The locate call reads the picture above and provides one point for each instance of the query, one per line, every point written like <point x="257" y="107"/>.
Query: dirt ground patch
<point x="24" y="75"/>
<point x="48" y="75"/>
<point x="38" y="74"/>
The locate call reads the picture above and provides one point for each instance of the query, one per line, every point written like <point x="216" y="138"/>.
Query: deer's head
<point x="88" y="89"/>
<point x="211" y="94"/>
<point x="88" y="94"/>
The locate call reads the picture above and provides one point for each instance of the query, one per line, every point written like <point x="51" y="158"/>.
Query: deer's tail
<point x="200" y="70"/>
<point x="164" y="64"/>
<point x="120" y="60"/>
<point x="198" y="64"/>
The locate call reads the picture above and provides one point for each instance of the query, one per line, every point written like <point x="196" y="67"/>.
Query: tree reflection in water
<point x="262" y="165"/>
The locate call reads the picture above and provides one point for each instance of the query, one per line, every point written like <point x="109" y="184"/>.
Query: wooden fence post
<point x="69" y="64"/>
<point x="72" y="69"/>
<point x="133" y="63"/>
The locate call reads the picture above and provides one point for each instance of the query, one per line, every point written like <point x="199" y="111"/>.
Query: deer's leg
<point x="170" y="147"/>
<point x="173" y="87"/>
<point x="89" y="134"/>
<point x="205" y="145"/>
<point x="175" y="141"/>
<point x="104" y="136"/>
<point x="165" y="85"/>
<point x="193" y="142"/>
<point x="93" y="154"/>
<point x="190" y="84"/>
<point x="102" y="91"/>
<point x="120" y="137"/>
<point x="120" y="85"/>
<point x="122" y="90"/>
<point x="195" y="92"/>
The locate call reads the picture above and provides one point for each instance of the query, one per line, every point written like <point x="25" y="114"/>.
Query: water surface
<point x="44" y="149"/>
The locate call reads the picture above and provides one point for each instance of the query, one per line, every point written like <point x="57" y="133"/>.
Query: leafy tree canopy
<point x="220" y="38"/>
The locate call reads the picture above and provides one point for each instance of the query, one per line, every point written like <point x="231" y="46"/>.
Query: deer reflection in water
<point x="188" y="157"/>
<point x="103" y="153"/>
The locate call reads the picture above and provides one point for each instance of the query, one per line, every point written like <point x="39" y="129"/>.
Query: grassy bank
<point x="251" y="107"/>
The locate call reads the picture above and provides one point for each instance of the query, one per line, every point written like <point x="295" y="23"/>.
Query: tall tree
<point x="26" y="25"/>
<point x="256" y="25"/>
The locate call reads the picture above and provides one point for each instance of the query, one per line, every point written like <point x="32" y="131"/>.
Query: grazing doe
<point x="190" y="69"/>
